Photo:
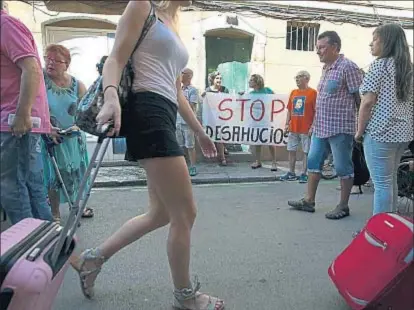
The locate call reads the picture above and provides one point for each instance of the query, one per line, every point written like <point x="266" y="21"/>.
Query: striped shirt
<point x="335" y="103"/>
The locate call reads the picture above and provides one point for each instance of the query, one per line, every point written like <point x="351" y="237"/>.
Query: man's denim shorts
<point x="341" y="146"/>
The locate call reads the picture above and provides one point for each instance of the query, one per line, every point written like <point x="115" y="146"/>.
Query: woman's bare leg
<point x="173" y="187"/>
<point x="257" y="156"/>
<point x="138" y="226"/>
<point x="221" y="155"/>
<point x="171" y="200"/>
<point x="131" y="231"/>
<point x="272" y="150"/>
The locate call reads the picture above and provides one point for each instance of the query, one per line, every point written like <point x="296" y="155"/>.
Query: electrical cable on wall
<point x="278" y="11"/>
<point x="295" y="13"/>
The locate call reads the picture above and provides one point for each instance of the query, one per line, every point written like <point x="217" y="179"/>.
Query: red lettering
<point x="243" y="102"/>
<point x="281" y="109"/>
<point x="263" y="110"/>
<point x="225" y="109"/>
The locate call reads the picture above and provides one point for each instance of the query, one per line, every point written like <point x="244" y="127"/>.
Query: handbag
<point x="361" y="172"/>
<point x="91" y="103"/>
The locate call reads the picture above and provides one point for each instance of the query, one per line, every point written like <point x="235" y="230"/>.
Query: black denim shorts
<point x="149" y="126"/>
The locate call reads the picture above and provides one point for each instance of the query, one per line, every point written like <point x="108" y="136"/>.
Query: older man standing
<point x="335" y="123"/>
<point x="185" y="136"/>
<point x="299" y="121"/>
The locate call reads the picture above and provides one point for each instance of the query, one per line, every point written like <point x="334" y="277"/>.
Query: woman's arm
<point x="186" y="112"/>
<point x="367" y="103"/>
<point x="81" y="90"/>
<point x="369" y="89"/>
<point x="128" y="31"/>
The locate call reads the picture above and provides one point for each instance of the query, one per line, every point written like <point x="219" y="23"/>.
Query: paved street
<point x="248" y="247"/>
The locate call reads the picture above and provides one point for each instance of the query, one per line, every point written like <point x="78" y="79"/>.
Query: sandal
<point x="338" y="213"/>
<point x="273" y="168"/>
<point x="89" y="256"/>
<point x="57" y="220"/>
<point x="88" y="213"/>
<point x="256" y="165"/>
<point x="223" y="163"/>
<point x="185" y="294"/>
<point x="302" y="205"/>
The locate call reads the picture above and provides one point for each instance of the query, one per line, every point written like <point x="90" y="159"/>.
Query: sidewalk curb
<point x="195" y="181"/>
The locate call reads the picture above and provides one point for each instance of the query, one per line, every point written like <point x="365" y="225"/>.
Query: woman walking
<point x="386" y="114"/>
<point x="149" y="127"/>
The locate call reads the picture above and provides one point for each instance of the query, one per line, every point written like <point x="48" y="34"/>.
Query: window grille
<point x="301" y="36"/>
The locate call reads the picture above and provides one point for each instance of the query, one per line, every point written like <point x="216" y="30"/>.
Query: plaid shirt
<point x="335" y="103"/>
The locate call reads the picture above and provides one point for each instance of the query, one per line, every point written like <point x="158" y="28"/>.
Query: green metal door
<point x="235" y="76"/>
<point x="231" y="56"/>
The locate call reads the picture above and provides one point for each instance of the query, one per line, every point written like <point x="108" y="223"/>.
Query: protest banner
<point x="252" y="119"/>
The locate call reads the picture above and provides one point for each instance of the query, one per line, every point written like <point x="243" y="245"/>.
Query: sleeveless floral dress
<point x="71" y="155"/>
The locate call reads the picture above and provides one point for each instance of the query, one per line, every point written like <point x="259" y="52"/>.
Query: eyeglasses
<point x="47" y="59"/>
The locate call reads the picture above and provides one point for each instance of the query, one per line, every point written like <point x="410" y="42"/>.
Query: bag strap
<point x="147" y="26"/>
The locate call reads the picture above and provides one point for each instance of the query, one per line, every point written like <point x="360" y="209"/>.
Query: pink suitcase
<point x="28" y="278"/>
<point x="35" y="253"/>
<point x="376" y="271"/>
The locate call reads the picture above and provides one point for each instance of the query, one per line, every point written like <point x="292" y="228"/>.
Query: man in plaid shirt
<point x="334" y="124"/>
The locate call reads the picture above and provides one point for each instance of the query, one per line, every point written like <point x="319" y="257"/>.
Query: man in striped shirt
<point x="334" y="124"/>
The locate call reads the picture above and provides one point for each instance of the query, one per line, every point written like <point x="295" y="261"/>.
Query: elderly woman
<point x="63" y="94"/>
<point x="256" y="82"/>
<point x="386" y="115"/>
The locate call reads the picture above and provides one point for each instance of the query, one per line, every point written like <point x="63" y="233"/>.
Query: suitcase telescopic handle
<point x="68" y="231"/>
<point x="104" y="129"/>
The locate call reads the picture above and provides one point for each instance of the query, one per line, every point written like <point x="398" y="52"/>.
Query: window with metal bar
<point x="301" y="36"/>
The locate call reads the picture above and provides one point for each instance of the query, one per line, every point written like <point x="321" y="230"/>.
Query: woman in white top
<point x="387" y="112"/>
<point x="149" y="127"/>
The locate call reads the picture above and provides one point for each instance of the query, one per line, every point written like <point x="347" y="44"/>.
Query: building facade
<point x="239" y="44"/>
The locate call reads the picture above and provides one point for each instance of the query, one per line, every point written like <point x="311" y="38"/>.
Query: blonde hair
<point x="258" y="80"/>
<point x="163" y="6"/>
<point x="212" y="76"/>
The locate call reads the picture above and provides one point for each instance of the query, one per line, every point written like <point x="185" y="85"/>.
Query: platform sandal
<point x="185" y="294"/>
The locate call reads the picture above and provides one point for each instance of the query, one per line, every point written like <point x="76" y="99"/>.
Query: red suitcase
<point x="376" y="271"/>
